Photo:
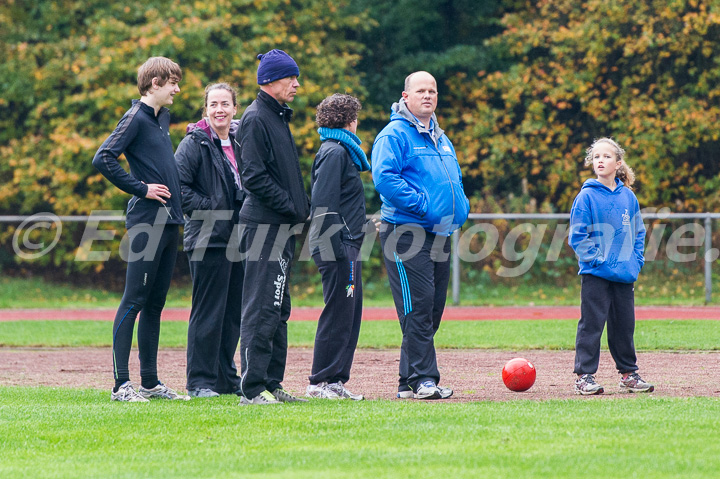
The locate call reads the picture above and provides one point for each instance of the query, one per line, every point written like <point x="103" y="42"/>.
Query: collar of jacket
<point x="150" y="110"/>
<point x="401" y="111"/>
<point x="283" y="110"/>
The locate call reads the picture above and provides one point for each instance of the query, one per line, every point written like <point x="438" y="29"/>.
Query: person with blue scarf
<point x="337" y="228"/>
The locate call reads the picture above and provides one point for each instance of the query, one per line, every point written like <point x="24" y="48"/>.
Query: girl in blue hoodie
<point x="608" y="236"/>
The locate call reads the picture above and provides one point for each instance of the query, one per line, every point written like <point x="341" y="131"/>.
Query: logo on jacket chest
<point x="626" y="218"/>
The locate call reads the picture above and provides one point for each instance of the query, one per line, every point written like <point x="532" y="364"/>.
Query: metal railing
<point x="455" y="258"/>
<point x="706" y="217"/>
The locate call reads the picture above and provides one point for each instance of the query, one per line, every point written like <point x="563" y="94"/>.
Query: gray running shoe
<point x="408" y="394"/>
<point x="162" y="392"/>
<point x="587" y="386"/>
<point x="127" y="393"/>
<point x="265" y="398"/>
<point x="633" y="383"/>
<point x="203" y="393"/>
<point x="283" y="396"/>
<point x="445" y="392"/>
<point x="321" y="391"/>
<point x="427" y="390"/>
<point x="343" y="393"/>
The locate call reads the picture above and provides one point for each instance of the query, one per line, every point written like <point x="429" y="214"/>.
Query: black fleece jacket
<point x="207" y="185"/>
<point x="338" y="198"/>
<point x="270" y="169"/>
<point x="145" y="140"/>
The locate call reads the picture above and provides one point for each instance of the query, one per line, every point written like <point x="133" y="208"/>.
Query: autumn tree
<point x="646" y="73"/>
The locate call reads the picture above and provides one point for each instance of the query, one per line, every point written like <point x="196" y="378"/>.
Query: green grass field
<point x="70" y="433"/>
<point x="681" y="291"/>
<point x="63" y="433"/>
<point x="510" y="335"/>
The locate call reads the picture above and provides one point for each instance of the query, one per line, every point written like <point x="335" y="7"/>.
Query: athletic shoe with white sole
<point x="265" y="398"/>
<point x="343" y="393"/>
<point x="203" y="393"/>
<point x="427" y="390"/>
<point x="162" y="392"/>
<point x="320" y="391"/>
<point x="283" y="396"/>
<point x="408" y="394"/>
<point x="586" y="385"/>
<point x="445" y="392"/>
<point x="633" y="383"/>
<point x="127" y="393"/>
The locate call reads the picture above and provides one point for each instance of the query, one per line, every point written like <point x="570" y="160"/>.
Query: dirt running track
<point x="473" y="374"/>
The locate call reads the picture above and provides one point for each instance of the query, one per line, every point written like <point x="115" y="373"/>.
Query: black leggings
<point x="146" y="285"/>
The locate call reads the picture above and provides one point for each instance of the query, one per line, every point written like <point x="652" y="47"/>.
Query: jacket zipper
<point x="447" y="172"/>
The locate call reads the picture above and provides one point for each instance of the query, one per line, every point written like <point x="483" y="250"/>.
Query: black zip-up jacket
<point x="338" y="198"/>
<point x="270" y="169"/>
<point x="207" y="184"/>
<point x="145" y="140"/>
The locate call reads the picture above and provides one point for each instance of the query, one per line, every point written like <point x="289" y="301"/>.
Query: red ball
<point x="518" y="374"/>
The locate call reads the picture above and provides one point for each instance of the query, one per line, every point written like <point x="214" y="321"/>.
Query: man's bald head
<point x="421" y="95"/>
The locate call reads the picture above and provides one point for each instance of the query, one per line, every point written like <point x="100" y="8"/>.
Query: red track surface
<point x="462" y="313"/>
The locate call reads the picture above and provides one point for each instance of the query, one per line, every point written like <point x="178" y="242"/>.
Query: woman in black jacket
<point x="336" y="232"/>
<point x="211" y="199"/>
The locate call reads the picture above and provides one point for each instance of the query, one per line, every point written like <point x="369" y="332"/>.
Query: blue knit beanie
<point x="274" y="65"/>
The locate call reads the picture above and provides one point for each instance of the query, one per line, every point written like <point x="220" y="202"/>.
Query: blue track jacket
<point x="417" y="174"/>
<point x="607" y="232"/>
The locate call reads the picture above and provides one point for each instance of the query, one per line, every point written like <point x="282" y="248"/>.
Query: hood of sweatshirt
<point x="204" y="125"/>
<point x="400" y="110"/>
<point x="595" y="184"/>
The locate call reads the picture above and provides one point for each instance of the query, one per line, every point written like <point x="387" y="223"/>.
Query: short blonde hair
<point x="624" y="173"/>
<point x="157" y="67"/>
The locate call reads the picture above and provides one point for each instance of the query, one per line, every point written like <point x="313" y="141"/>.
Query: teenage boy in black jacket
<point x="154" y="214"/>
<point x="275" y="196"/>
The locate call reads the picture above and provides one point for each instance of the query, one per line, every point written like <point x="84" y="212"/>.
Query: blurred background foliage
<point x="525" y="86"/>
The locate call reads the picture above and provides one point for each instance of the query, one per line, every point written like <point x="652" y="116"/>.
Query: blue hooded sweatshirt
<point x="607" y="232"/>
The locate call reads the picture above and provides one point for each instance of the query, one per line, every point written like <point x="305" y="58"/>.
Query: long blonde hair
<point x="624" y="173"/>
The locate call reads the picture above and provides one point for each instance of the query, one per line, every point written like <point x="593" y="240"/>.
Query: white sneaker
<point x="321" y="391"/>
<point x="342" y="392"/>
<point x="427" y="390"/>
<point x="127" y="393"/>
<point x="265" y="398"/>
<point x="162" y="392"/>
<point x="445" y="392"/>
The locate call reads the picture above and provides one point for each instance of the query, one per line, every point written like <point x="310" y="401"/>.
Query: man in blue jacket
<point x="416" y="172"/>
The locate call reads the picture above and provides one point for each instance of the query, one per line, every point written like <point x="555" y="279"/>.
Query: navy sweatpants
<point x="265" y="308"/>
<point x="418" y="268"/>
<point x="339" y="323"/>
<point x="146" y="285"/>
<point x="604" y="301"/>
<point x="214" y="328"/>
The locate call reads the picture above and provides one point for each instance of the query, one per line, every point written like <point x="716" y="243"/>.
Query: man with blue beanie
<point x="275" y="196"/>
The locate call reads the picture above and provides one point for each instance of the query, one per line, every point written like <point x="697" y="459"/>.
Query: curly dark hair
<point x="337" y="111"/>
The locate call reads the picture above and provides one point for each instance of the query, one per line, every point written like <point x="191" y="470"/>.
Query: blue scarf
<point x="350" y="141"/>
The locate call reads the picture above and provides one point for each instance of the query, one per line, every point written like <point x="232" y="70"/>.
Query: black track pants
<point x="265" y="308"/>
<point x="605" y="301"/>
<point x="146" y="285"/>
<point x="418" y="267"/>
<point x="214" y="328"/>
<point x="339" y="323"/>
